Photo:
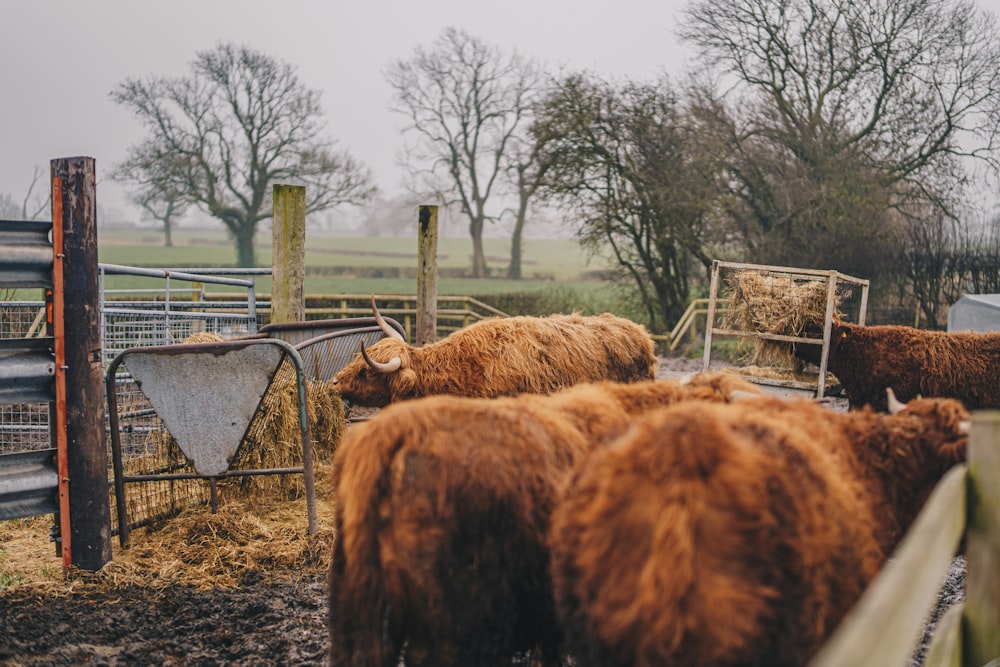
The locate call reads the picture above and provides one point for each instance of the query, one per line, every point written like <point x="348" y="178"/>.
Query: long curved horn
<point x="386" y="329"/>
<point x="894" y="403"/>
<point x="390" y="366"/>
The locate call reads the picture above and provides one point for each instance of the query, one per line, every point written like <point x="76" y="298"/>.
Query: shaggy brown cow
<point x="500" y="357"/>
<point x="720" y="535"/>
<point x="442" y="509"/>
<point x="912" y="362"/>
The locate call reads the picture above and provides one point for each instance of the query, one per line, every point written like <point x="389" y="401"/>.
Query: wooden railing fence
<point x="453" y="312"/>
<point x="883" y="628"/>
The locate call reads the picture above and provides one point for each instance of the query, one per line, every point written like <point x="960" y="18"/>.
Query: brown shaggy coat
<point x="442" y="513"/>
<point x="913" y="362"/>
<point x="505" y="357"/>
<point x="721" y="535"/>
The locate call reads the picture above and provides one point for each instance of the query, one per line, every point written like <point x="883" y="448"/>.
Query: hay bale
<point x="203" y="337"/>
<point x="773" y="303"/>
<point x="274" y="437"/>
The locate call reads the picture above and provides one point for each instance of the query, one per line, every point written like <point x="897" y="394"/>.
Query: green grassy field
<point x="543" y="258"/>
<point x="544" y="261"/>
<point x="557" y="272"/>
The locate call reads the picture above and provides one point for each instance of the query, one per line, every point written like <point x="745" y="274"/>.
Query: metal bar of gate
<point x="55" y="309"/>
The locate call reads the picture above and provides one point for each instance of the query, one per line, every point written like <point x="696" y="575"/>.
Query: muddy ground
<point x="273" y="617"/>
<point x="280" y="622"/>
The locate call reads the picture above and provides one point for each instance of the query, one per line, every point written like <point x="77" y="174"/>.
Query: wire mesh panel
<point x="162" y="308"/>
<point x="127" y="325"/>
<point x="23" y="427"/>
<point x="22" y="319"/>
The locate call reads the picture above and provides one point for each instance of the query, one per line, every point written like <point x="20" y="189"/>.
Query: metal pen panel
<point x="27" y="484"/>
<point x="27" y="370"/>
<point x="26" y="260"/>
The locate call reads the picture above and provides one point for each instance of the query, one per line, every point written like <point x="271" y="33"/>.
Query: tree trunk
<point x="479" y="269"/>
<point x="168" y="224"/>
<point x="244" y="245"/>
<point x="516" y="245"/>
<point x="514" y="270"/>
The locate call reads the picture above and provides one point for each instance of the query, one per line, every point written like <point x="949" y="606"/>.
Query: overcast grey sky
<point x="60" y="59"/>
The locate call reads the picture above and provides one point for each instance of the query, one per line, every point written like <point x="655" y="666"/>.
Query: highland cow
<point x="721" y="535"/>
<point x="500" y="357"/>
<point x="442" y="513"/>
<point x="912" y="362"/>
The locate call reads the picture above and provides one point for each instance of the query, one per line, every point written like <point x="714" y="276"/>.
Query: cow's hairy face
<point x="363" y="385"/>
<point x="946" y="424"/>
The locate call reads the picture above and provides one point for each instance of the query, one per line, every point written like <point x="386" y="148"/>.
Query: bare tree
<point x="8" y="208"/>
<point x="980" y="258"/>
<point x="239" y="123"/>
<point x="466" y="101"/>
<point x="528" y="164"/>
<point x="838" y="111"/>
<point x="928" y="259"/>
<point x="34" y="205"/>
<point x="941" y="259"/>
<point x="155" y="187"/>
<point x="638" y="174"/>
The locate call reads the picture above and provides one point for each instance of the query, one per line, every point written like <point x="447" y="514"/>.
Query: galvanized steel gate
<point x="32" y="370"/>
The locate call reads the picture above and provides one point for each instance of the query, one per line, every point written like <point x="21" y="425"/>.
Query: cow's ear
<point x="404" y="383"/>
<point x="838" y="334"/>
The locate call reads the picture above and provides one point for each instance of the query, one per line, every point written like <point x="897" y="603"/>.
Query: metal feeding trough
<point x="206" y="396"/>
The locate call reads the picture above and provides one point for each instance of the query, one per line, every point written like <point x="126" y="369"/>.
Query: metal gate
<point x="32" y="381"/>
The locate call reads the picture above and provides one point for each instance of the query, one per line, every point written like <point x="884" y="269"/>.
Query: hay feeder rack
<point x="840" y="290"/>
<point x="207" y="395"/>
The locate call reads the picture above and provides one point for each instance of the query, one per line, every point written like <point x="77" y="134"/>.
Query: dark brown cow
<point x="720" y="535"/>
<point x="442" y="513"/>
<point x="912" y="362"/>
<point x="500" y="357"/>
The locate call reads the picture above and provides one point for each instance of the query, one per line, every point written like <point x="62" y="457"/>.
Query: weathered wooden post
<point x="288" y="254"/>
<point x="427" y="275"/>
<point x="74" y="211"/>
<point x="981" y="628"/>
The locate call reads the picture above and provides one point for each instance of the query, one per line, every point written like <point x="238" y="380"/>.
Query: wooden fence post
<point x="87" y="451"/>
<point x="427" y="275"/>
<point x="288" y="253"/>
<point x="981" y="629"/>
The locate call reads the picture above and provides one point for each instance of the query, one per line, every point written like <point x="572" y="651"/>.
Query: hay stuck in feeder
<point x="203" y="337"/>
<point x="274" y="438"/>
<point x="778" y="304"/>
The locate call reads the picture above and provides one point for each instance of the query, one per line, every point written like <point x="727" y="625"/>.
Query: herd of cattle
<point x="539" y="495"/>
